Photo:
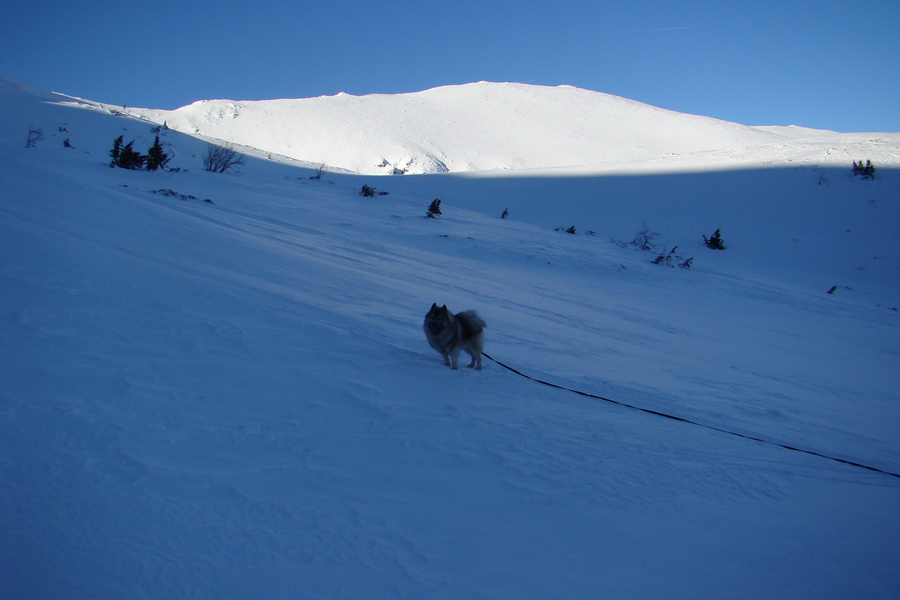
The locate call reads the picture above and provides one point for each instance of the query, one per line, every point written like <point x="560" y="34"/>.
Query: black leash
<point x="688" y="421"/>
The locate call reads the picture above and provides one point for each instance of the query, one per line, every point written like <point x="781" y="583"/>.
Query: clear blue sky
<point x="817" y="63"/>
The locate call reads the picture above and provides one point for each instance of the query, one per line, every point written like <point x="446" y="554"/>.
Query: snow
<point x="235" y="398"/>
<point x="478" y="127"/>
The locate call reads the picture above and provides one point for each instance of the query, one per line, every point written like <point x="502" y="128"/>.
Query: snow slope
<point x="234" y="398"/>
<point x="476" y="127"/>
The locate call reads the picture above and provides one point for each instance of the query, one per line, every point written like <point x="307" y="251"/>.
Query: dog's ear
<point x="434" y="306"/>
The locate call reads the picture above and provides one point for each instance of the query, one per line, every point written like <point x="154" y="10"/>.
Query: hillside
<point x="217" y="385"/>
<point x="494" y="126"/>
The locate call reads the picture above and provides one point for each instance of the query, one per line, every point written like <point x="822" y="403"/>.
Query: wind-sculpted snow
<point x="234" y="399"/>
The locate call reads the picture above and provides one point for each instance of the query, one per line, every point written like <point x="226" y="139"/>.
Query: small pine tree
<point x="505" y="213"/>
<point x="571" y="230"/>
<point x="156" y="157"/>
<point x="129" y="158"/>
<point x="867" y="170"/>
<point x="434" y="209"/>
<point x="714" y="242"/>
<point x="116" y="151"/>
<point x="367" y="191"/>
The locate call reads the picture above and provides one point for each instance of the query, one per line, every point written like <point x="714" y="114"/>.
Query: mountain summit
<point x="472" y="127"/>
<point x="486" y="127"/>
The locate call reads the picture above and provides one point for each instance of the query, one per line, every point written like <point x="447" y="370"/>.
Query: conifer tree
<point x="715" y="241"/>
<point x="156" y="157"/>
<point x="129" y="158"/>
<point x="434" y="209"/>
<point x="116" y="152"/>
<point x="867" y="171"/>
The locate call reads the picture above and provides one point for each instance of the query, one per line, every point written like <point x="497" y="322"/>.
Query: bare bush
<point x="319" y="170"/>
<point x="671" y="258"/>
<point x="34" y="136"/>
<point x="645" y="239"/>
<point x="220" y="159"/>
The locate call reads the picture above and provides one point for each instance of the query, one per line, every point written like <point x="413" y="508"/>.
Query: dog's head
<point x="437" y="318"/>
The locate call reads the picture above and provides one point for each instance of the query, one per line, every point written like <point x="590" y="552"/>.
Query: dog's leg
<point x="446" y="359"/>
<point x="476" y="360"/>
<point x="454" y="359"/>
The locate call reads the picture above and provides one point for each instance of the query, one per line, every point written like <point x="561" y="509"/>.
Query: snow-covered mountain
<point x="484" y="126"/>
<point x="217" y="385"/>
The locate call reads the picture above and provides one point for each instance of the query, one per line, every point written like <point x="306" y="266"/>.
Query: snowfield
<point x="217" y="385"/>
<point x="489" y="126"/>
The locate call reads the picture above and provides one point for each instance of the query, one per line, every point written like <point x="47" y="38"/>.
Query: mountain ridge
<point x="480" y="126"/>
<point x="484" y="127"/>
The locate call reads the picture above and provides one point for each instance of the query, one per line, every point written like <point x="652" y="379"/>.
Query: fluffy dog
<point x="449" y="334"/>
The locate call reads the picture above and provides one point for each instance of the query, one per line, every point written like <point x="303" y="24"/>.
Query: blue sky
<point x="825" y="64"/>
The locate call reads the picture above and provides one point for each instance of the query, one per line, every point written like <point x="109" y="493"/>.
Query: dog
<point x="449" y="334"/>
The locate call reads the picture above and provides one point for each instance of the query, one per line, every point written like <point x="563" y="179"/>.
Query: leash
<point x="689" y="421"/>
